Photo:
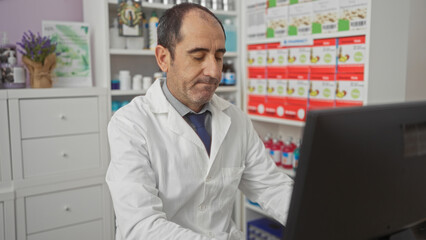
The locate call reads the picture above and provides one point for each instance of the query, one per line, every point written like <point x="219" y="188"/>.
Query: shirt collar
<point x="181" y="108"/>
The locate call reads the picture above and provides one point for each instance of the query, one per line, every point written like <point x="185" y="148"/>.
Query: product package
<point x="257" y="86"/>
<point x="325" y="16"/>
<point x="350" y="89"/>
<point x="276" y="97"/>
<point x="322" y="90"/>
<point x="300" y="16"/>
<point x="277" y="22"/>
<point x="351" y="54"/>
<point x="352" y="15"/>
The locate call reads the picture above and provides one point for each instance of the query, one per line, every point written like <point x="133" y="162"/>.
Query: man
<point x="171" y="177"/>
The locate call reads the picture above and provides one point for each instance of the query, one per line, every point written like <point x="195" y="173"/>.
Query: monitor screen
<point x="362" y="173"/>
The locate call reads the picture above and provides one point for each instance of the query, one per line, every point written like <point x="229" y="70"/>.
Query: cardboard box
<point x="350" y="89"/>
<point x="278" y="3"/>
<point x="277" y="55"/>
<point x="299" y="59"/>
<point x="277" y="22"/>
<point x="323" y="58"/>
<point x="325" y="16"/>
<point x="256" y="19"/>
<point x="322" y="90"/>
<point x="351" y="54"/>
<point x="352" y="15"/>
<point x="256" y="55"/>
<point x="257" y="86"/>
<point x="298" y="88"/>
<point x="277" y="91"/>
<point x="300" y="15"/>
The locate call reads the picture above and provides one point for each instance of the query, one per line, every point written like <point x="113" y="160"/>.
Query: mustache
<point x="208" y="80"/>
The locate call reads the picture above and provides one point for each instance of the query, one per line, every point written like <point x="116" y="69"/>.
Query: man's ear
<point x="162" y="55"/>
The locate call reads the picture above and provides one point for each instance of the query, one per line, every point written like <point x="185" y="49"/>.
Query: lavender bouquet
<point x="35" y="47"/>
<point x="39" y="57"/>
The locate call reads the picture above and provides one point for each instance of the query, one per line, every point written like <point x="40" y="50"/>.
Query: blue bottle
<point x="231" y="36"/>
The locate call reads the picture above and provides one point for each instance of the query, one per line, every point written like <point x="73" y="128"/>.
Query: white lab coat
<point x="165" y="186"/>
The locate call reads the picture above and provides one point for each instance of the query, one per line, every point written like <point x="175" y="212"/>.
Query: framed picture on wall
<point x="73" y="65"/>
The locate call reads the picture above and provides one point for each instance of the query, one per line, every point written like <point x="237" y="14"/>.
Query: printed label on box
<point x="351" y="54"/>
<point x="325" y="16"/>
<point x="256" y="19"/>
<point x="277" y="55"/>
<point x="322" y="87"/>
<point x="300" y="19"/>
<point x="277" y="22"/>
<point x="256" y="55"/>
<point x="352" y="15"/>
<point x="277" y="82"/>
<point x="278" y="3"/>
<point x="295" y="112"/>
<point x="297" y="88"/>
<point x="323" y="55"/>
<point x="350" y="89"/>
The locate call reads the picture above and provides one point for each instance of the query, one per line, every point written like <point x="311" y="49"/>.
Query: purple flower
<point x="36" y="47"/>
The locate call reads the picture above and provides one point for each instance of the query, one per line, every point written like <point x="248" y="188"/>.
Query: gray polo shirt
<point x="182" y="109"/>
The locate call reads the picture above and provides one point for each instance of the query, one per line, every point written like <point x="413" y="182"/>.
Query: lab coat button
<point x="208" y="179"/>
<point x="202" y="207"/>
<point x="211" y="235"/>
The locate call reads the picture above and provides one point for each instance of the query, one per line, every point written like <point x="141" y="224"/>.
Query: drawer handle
<point x="67" y="208"/>
<point x="62" y="117"/>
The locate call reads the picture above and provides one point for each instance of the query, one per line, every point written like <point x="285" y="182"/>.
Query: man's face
<point x="195" y="72"/>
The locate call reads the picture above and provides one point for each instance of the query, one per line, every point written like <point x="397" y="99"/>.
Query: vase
<point x="41" y="73"/>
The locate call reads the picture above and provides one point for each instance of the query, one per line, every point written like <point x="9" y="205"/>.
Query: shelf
<point x="278" y="121"/>
<point x="227" y="89"/>
<point x="127" y="92"/>
<point x="162" y="6"/>
<point x="314" y="36"/>
<point x="142" y="52"/>
<point x="147" y="52"/>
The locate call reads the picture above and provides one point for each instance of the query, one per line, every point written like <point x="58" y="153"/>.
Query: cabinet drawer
<point x="2" y="223"/>
<point x="56" y="155"/>
<point x="86" y="231"/>
<point x="60" y="209"/>
<point x="53" y="117"/>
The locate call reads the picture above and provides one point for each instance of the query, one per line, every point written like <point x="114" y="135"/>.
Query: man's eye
<point x="219" y="58"/>
<point x="198" y="58"/>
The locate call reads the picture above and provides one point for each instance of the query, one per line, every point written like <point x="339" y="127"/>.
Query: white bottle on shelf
<point x="153" y="24"/>
<point x="125" y="80"/>
<point x="115" y="40"/>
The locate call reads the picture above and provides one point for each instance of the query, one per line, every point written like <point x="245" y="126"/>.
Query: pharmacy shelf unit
<point x="393" y="72"/>
<point x="107" y="62"/>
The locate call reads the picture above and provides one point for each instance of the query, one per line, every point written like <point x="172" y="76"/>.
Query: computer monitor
<point x="362" y="174"/>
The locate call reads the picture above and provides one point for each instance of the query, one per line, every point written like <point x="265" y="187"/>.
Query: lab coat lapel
<point x="177" y="124"/>
<point x="220" y="126"/>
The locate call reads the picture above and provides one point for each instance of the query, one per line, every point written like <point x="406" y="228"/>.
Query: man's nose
<point x="212" y="67"/>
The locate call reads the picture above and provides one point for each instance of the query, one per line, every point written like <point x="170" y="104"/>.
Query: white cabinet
<point x="56" y="141"/>
<point x="108" y="61"/>
<point x="5" y="162"/>
<point x="7" y="215"/>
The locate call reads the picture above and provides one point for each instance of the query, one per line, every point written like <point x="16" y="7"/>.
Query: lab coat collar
<point x="220" y="120"/>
